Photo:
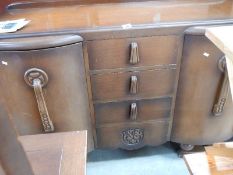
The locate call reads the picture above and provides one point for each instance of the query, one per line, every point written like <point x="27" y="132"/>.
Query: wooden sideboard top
<point x="92" y="16"/>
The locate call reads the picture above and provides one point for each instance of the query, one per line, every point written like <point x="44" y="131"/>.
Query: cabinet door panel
<point x="65" y="93"/>
<point x="199" y="87"/>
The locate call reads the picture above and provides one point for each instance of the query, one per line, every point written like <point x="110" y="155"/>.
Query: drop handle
<point x="133" y="111"/>
<point x="133" y="84"/>
<point x="37" y="79"/>
<point x="224" y="91"/>
<point x="134" y="53"/>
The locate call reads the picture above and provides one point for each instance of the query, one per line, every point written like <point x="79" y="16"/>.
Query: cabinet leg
<point x="186" y="147"/>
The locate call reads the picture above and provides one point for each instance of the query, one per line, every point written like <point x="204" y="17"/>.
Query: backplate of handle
<point x="37" y="79"/>
<point x="134" y="53"/>
<point x="133" y="111"/>
<point x="222" y="97"/>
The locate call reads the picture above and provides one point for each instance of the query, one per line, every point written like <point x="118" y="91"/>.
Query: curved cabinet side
<point x="199" y="86"/>
<point x="65" y="93"/>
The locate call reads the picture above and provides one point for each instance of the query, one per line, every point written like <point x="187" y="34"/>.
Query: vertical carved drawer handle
<point x="37" y="78"/>
<point x="133" y="111"/>
<point x="133" y="84"/>
<point x="134" y="54"/>
<point x="221" y="100"/>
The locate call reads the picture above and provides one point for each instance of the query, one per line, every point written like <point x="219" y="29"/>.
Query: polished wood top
<point x="89" y="16"/>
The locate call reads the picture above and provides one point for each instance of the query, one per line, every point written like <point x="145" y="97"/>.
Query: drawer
<point x="152" y="83"/>
<point x="110" y="54"/>
<point x="132" y="136"/>
<point x="129" y="111"/>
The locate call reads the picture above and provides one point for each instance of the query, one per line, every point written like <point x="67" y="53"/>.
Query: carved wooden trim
<point x="132" y="136"/>
<point x="133" y="111"/>
<point x="133" y="84"/>
<point x="37" y="79"/>
<point x="134" y="54"/>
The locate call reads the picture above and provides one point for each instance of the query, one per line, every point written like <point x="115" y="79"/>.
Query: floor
<point x="161" y="160"/>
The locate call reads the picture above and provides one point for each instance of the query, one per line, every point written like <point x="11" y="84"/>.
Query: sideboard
<point x="131" y="73"/>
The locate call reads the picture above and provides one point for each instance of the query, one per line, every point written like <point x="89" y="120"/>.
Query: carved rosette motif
<point x="132" y="136"/>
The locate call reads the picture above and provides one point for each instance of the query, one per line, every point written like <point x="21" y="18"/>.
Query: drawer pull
<point x="37" y="78"/>
<point x="221" y="100"/>
<point x="134" y="54"/>
<point x="133" y="111"/>
<point x="133" y="84"/>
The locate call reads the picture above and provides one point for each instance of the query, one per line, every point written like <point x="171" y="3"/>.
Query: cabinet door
<point x="200" y="85"/>
<point x="64" y="95"/>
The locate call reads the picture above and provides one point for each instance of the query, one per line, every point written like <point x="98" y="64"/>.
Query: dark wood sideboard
<point x="131" y="73"/>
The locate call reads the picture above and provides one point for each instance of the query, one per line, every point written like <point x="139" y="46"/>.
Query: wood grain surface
<point x="57" y="153"/>
<point x="65" y="94"/>
<point x="13" y="159"/>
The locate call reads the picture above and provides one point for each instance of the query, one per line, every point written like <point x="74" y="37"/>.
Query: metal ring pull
<point x="37" y="79"/>
<point x="221" y="100"/>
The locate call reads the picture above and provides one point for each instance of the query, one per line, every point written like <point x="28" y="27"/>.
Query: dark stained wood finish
<point x="116" y="86"/>
<point x="199" y="86"/>
<point x="117" y="112"/>
<point x="111" y="136"/>
<point x="110" y="54"/>
<point x="108" y="47"/>
<point x="65" y="94"/>
<point x="35" y="43"/>
<point x="57" y="153"/>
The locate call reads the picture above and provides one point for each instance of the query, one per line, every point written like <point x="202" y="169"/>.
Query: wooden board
<point x="217" y="160"/>
<point x="12" y="156"/>
<point x="57" y="153"/>
<point x="197" y="163"/>
<point x="222" y="37"/>
<point x="2" y="172"/>
<point x="220" y="160"/>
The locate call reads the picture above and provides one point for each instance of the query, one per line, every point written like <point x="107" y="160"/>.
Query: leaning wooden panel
<point x="57" y="153"/>
<point x="59" y="97"/>
<point x="2" y="171"/>
<point x="222" y="37"/>
<point x="12" y="156"/>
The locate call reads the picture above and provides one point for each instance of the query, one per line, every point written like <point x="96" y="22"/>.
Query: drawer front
<point x="119" y="85"/>
<point x="116" y="53"/>
<point x="132" y="136"/>
<point x="129" y="111"/>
